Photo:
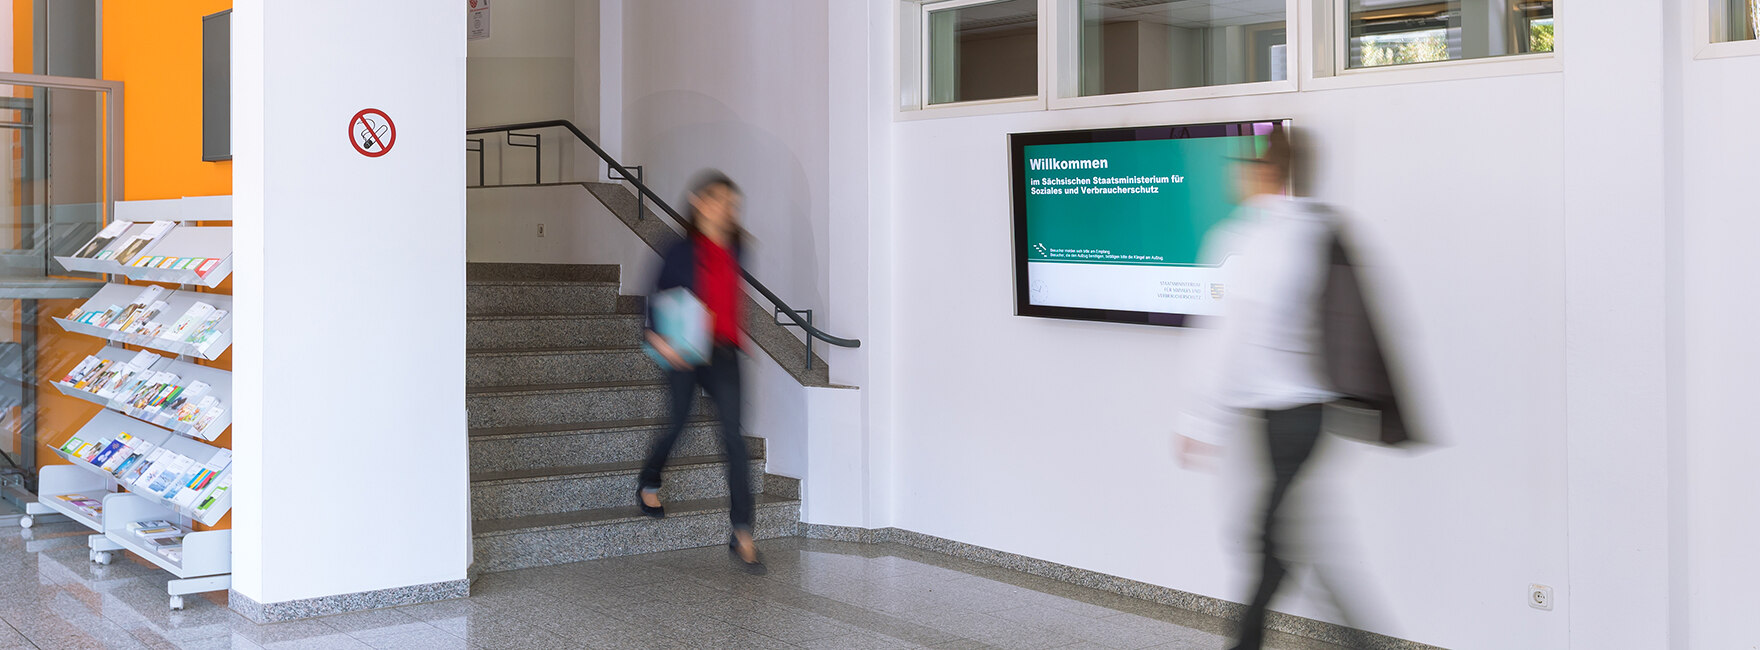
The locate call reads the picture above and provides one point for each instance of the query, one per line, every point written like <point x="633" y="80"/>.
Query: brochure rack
<point x="177" y="303"/>
<point x="181" y="242"/>
<point x="203" y="562"/>
<point x="220" y="388"/>
<point x="206" y="557"/>
<point x="56" y="481"/>
<point x="197" y="242"/>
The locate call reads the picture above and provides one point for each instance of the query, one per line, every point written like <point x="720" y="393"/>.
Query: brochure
<point x="189" y="321"/>
<point x="140" y="243"/>
<point x="105" y="236"/>
<point x="208" y="332"/>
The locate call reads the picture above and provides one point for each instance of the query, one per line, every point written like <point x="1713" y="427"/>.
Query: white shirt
<point x="1270" y="325"/>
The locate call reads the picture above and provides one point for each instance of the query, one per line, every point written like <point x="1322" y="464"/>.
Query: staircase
<point x="563" y="405"/>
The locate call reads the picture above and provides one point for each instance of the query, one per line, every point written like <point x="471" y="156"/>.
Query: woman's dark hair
<point x="702" y="183"/>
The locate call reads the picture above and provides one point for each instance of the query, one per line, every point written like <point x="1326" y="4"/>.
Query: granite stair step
<point x="491" y="297"/>
<point x="512" y="448"/>
<point x="511" y="271"/>
<point x="493" y="368"/>
<point x="551" y="404"/>
<point x="496" y="495"/>
<point x="545" y="540"/>
<point x="551" y="331"/>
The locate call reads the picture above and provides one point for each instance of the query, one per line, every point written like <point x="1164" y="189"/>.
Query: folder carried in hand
<point x="681" y="319"/>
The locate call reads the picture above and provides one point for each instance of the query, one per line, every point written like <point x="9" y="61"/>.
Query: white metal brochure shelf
<point x="206" y="555"/>
<point x="107" y="424"/>
<point x="59" y="480"/>
<point x="177" y="303"/>
<point x="201" y="242"/>
<point x="219" y="387"/>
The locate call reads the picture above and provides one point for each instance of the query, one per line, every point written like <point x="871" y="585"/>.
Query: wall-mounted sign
<point x="479" y="19"/>
<point x="371" y="132"/>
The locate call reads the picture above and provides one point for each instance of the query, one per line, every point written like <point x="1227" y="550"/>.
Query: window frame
<point x="914" y="74"/>
<point x="1067" y="66"/>
<point x="1329" y="64"/>
<point x="1705" y="44"/>
<point x="1314" y="44"/>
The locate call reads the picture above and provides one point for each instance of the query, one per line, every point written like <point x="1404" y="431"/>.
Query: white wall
<point x="1012" y="432"/>
<point x="738" y="85"/>
<point x="525" y="70"/>
<point x="348" y="478"/>
<point x="1722" y="359"/>
<point x="578" y="229"/>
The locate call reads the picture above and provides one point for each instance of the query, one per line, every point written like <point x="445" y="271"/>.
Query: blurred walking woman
<point x="707" y="264"/>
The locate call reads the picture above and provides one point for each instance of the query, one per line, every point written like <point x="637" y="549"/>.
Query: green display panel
<point x="1111" y="224"/>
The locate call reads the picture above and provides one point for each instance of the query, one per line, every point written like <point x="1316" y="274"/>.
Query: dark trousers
<point x="1290" y="437"/>
<point x="720" y="378"/>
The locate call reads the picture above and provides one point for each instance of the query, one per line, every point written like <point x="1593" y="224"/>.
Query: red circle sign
<point x="372" y="133"/>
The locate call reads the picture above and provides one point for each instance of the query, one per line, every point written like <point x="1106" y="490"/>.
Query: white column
<point x="349" y="353"/>
<point x="1616" y="224"/>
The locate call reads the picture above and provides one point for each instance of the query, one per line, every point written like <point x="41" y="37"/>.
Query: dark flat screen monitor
<point x="1110" y="224"/>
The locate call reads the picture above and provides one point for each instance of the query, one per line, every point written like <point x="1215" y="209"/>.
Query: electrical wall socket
<point x="1540" y="597"/>
<point x="540" y="230"/>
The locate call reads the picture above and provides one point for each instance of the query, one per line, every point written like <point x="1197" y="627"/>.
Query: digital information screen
<point x="1110" y="224"/>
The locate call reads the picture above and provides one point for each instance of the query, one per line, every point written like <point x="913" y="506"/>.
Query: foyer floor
<point x="817" y="595"/>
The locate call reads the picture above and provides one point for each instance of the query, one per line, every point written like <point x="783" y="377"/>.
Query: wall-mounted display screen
<point x="1110" y="224"/>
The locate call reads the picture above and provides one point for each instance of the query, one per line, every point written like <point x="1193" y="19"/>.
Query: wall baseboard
<point x="262" y="613"/>
<point x="1219" y="608"/>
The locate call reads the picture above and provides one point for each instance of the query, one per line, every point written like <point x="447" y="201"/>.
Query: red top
<point x="718" y="288"/>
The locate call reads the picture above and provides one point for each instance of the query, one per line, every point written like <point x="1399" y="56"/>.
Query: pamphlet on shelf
<point x="195" y="390"/>
<point x="91" y="450"/>
<point x="208" y="332"/>
<point x="206" y="266"/>
<point x="136" y="455"/>
<point x="91" y="507"/>
<point x="209" y="419"/>
<point x="190" y="411"/>
<point x="213" y="506"/>
<point x="118" y="451"/>
<point x="139" y="244"/>
<point x="146" y="468"/>
<point x="159" y="532"/>
<point x="167" y="481"/>
<point x="189" y="321"/>
<point x="151" y="523"/>
<point x="105" y="236"/>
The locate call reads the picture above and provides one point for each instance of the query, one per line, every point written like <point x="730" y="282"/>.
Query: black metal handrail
<point x="642" y="190"/>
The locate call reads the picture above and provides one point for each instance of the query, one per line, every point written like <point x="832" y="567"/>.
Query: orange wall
<point x="155" y="49"/>
<point x="23" y="35"/>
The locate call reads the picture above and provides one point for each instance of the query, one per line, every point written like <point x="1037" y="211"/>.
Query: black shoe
<point x="756" y="566"/>
<point x="656" y="512"/>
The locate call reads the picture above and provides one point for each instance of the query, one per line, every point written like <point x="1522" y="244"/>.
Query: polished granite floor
<point x="817" y="595"/>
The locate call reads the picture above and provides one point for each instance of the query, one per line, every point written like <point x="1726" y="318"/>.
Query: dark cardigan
<point x="678" y="268"/>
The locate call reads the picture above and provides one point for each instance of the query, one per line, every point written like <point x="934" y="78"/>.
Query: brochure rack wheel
<point x="26" y="521"/>
<point x="103" y="557"/>
<point x="177" y="603"/>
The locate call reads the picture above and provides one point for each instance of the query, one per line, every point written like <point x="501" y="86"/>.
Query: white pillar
<point x="1616" y="329"/>
<point x="349" y="352"/>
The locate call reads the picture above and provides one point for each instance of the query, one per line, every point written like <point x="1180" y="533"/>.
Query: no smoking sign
<point x="372" y="132"/>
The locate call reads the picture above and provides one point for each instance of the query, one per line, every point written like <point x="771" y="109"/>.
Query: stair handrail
<point x="642" y="188"/>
